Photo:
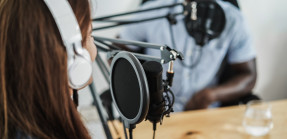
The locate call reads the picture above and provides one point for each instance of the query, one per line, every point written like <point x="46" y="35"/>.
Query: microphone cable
<point x="154" y="129"/>
<point x="131" y="133"/>
<point x="75" y="97"/>
<point x="170" y="103"/>
<point x="125" y="131"/>
<point x="169" y="107"/>
<point x="154" y="134"/>
<point x="172" y="21"/>
<point x="193" y="64"/>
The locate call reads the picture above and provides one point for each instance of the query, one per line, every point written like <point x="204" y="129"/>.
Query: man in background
<point x="197" y="80"/>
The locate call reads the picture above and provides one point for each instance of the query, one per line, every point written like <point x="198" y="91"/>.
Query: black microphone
<point x="153" y="71"/>
<point x="139" y="91"/>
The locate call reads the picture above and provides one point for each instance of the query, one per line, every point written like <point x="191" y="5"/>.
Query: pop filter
<point x="129" y="88"/>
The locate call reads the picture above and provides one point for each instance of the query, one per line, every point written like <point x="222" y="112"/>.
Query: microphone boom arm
<point x="167" y="54"/>
<point x="138" y="11"/>
<point x="108" y="19"/>
<point x="112" y="53"/>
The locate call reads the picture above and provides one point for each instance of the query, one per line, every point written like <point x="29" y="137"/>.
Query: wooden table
<point x="221" y="123"/>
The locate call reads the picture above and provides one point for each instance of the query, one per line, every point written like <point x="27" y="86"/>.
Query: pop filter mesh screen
<point x="126" y="89"/>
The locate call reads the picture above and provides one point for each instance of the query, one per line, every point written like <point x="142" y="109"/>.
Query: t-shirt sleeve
<point x="241" y="48"/>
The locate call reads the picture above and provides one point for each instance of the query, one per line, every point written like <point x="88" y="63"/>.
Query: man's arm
<point x="239" y="85"/>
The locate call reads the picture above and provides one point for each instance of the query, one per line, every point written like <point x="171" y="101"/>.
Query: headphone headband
<point x="66" y="21"/>
<point x="79" y="63"/>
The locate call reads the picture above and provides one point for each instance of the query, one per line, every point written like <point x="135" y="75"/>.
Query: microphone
<point x="138" y="90"/>
<point x="153" y="71"/>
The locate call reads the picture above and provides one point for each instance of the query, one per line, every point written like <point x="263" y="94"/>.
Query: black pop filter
<point x="129" y="88"/>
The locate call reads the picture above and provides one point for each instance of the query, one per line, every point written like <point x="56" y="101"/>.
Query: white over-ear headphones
<point x="79" y="62"/>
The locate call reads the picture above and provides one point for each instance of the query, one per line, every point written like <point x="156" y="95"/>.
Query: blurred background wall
<point x="267" y="20"/>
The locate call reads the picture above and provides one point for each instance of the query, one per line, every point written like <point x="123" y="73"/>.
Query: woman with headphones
<point x="46" y="51"/>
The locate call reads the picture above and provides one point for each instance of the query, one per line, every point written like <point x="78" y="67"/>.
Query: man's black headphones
<point x="204" y="20"/>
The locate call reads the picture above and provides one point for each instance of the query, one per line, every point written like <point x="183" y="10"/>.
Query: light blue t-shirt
<point x="235" y="41"/>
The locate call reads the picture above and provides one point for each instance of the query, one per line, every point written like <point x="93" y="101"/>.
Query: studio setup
<point x="143" y="69"/>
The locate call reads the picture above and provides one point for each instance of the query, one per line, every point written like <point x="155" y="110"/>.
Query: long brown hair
<point x="34" y="91"/>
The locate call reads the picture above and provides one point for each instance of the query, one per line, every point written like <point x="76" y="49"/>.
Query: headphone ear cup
<point x="80" y="71"/>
